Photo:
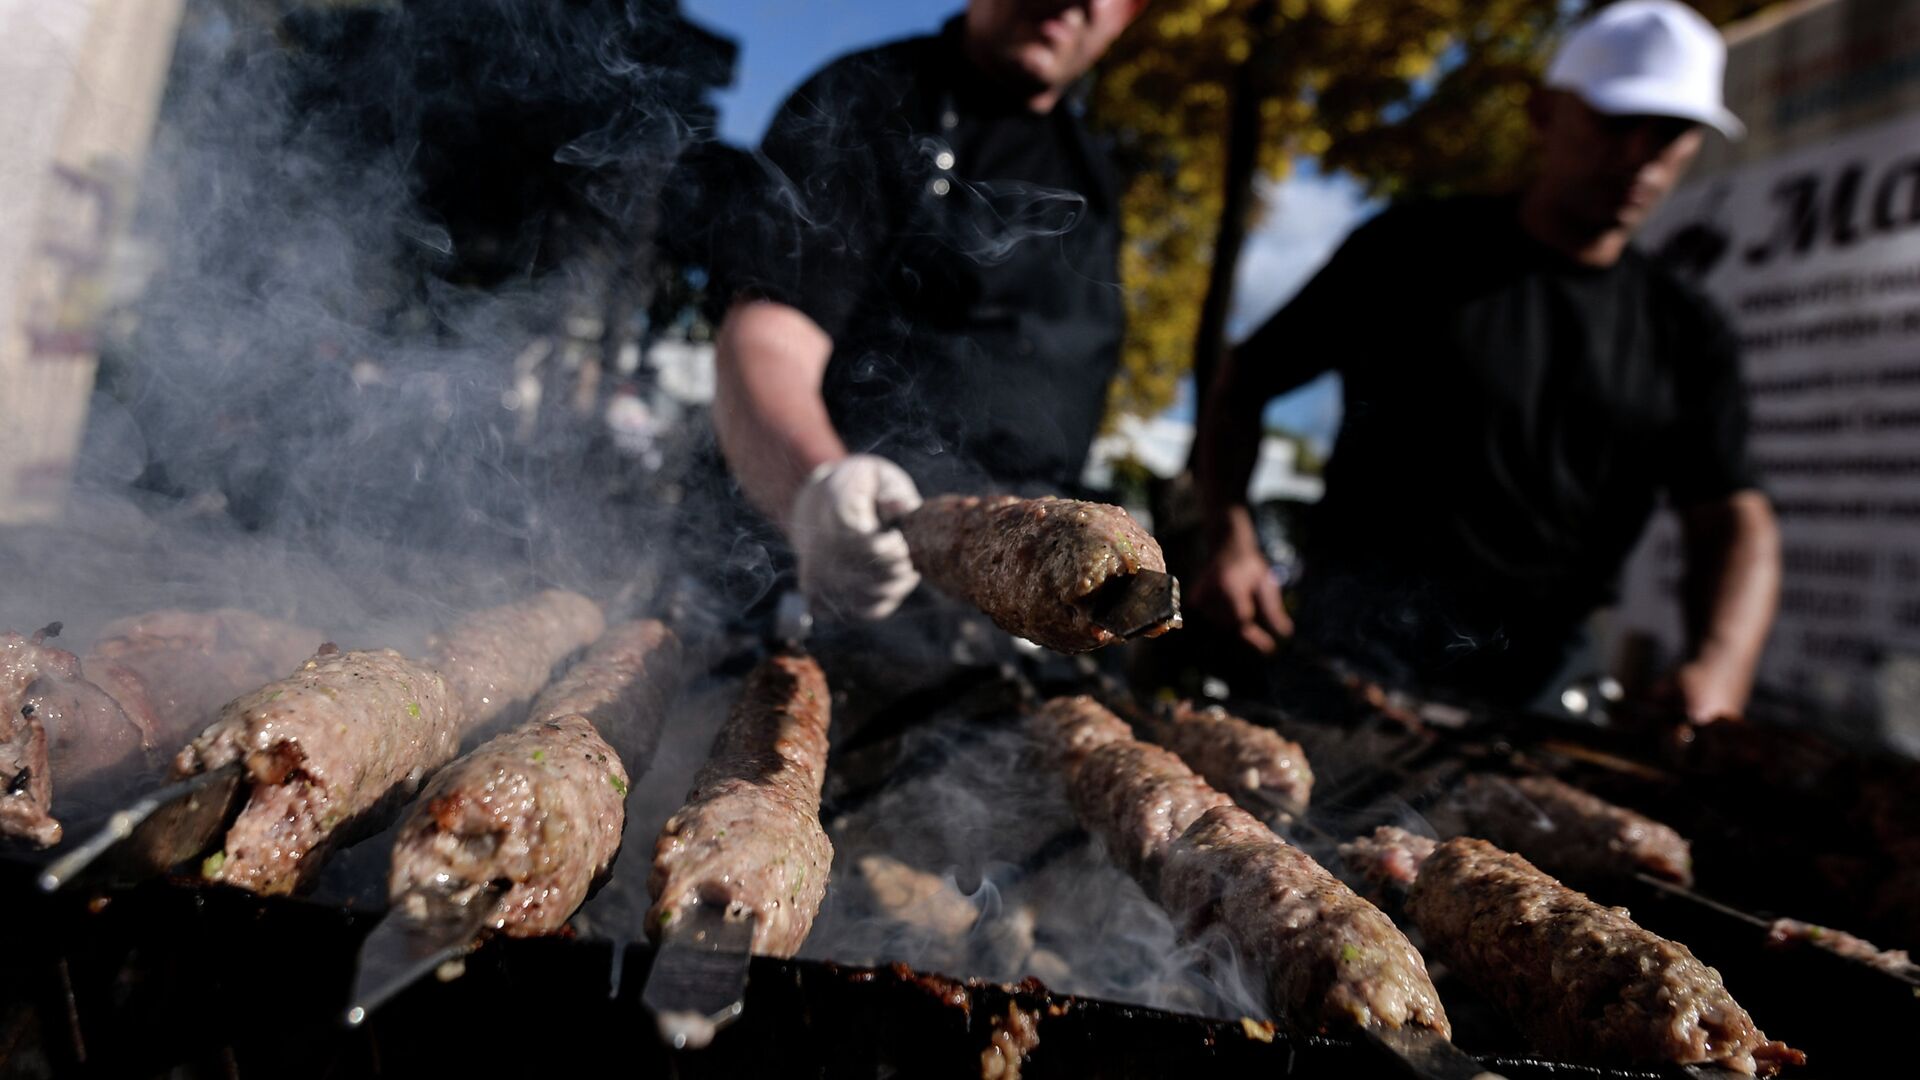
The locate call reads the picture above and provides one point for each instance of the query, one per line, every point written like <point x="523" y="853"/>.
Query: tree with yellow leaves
<point x="1409" y="96"/>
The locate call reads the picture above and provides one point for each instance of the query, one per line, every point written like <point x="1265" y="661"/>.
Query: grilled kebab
<point x="541" y="808"/>
<point x="1327" y="957"/>
<point x="190" y="663"/>
<point x="1236" y="755"/>
<point x="329" y="744"/>
<point x="749" y="838"/>
<point x="55" y="721"/>
<point x="1580" y="979"/>
<point x="1035" y="566"/>
<point x="1572" y="833"/>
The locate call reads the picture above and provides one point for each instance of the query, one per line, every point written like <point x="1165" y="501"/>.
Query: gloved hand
<point x="849" y="562"/>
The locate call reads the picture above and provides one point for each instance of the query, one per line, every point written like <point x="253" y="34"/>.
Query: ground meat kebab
<point x="1572" y="833"/>
<point x="333" y="742"/>
<point x="749" y="837"/>
<point x="190" y="663"/>
<point x="1033" y="565"/>
<point x="1236" y="755"/>
<point x="1329" y="959"/>
<point x="542" y="807"/>
<point x="56" y="723"/>
<point x="1580" y="979"/>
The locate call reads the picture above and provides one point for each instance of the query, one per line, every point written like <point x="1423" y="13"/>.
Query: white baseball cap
<point x="1647" y="57"/>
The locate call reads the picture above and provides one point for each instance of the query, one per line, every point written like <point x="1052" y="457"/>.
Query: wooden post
<point x="80" y="85"/>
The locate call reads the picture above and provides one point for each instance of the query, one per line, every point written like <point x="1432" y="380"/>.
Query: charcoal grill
<point x="173" y="977"/>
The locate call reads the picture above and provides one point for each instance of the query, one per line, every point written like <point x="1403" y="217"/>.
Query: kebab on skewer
<point x="748" y="843"/>
<point x="1572" y="833"/>
<point x="1237" y="756"/>
<point x="333" y="742"/>
<point x="150" y="681"/>
<point x="1070" y="575"/>
<point x="1580" y="979"/>
<point x="54" y="721"/>
<point x="187" y="664"/>
<point x="537" y="812"/>
<point x="1329" y="959"/>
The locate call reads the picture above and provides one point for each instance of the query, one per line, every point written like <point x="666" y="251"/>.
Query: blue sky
<point x="782" y="42"/>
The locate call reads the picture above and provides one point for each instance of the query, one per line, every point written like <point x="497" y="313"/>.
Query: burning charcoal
<point x="541" y="808"/>
<point x="749" y="837"/>
<point x="1035" y="566"/>
<point x="1015" y="1035"/>
<point x="1580" y="979"/>
<point x="925" y="901"/>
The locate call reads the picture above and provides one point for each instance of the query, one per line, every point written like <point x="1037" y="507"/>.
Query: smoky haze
<point x="382" y="267"/>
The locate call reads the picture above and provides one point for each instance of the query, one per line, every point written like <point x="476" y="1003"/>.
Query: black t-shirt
<point x="962" y="253"/>
<point x="1511" y="417"/>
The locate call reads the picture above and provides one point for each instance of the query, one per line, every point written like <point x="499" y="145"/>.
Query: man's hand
<point x="1706" y="690"/>
<point x="850" y="560"/>
<point x="1237" y="591"/>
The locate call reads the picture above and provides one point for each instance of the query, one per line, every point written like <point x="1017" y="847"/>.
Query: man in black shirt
<point x="931" y="298"/>
<point x="1521" y="386"/>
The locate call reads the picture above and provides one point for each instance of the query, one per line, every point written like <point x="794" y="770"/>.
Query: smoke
<point x="974" y="866"/>
<point x="351" y="225"/>
<point x="382" y="266"/>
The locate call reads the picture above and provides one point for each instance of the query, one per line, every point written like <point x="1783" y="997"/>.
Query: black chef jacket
<point x="1511" y="418"/>
<point x="962" y="253"/>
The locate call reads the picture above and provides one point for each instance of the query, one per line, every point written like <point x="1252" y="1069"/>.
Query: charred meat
<point x="1573" y="834"/>
<point x="503" y="655"/>
<point x="1235" y="755"/>
<point x="1035" y="566"/>
<point x="1329" y="958"/>
<point x="1581" y="979"/>
<point x="541" y="808"/>
<point x="749" y="838"/>
<point x="188" y="664"/>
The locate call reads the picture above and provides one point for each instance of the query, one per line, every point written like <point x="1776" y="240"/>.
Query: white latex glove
<point x="848" y="562"/>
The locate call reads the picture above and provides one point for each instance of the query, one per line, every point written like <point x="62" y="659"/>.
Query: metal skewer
<point x="420" y="933"/>
<point x="153" y="834"/>
<point x="698" y="983"/>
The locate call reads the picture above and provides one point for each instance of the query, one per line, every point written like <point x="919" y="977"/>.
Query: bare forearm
<point x="1732" y="587"/>
<point x="769" y="416"/>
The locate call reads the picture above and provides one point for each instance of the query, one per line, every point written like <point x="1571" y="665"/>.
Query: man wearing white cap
<point x="1522" y="386"/>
